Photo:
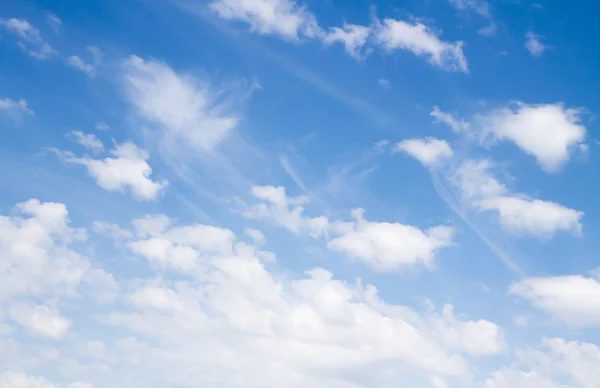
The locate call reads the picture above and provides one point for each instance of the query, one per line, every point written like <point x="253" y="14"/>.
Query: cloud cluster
<point x="383" y="246"/>
<point x="30" y="39"/>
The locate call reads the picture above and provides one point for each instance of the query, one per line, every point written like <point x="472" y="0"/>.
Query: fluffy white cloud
<point x="549" y="132"/>
<point x="574" y="300"/>
<point x="34" y="255"/>
<point x="533" y="216"/>
<point x="41" y="320"/>
<point x="285" y="211"/>
<point x="381" y="245"/>
<point x="128" y="169"/>
<point x="518" y="213"/>
<point x="189" y="113"/>
<point x="31" y="41"/>
<point x="557" y="364"/>
<point x="429" y="151"/>
<point x="233" y="322"/>
<point x="88" y="140"/>
<point x="354" y="37"/>
<point x="21" y="380"/>
<point x="14" y="109"/>
<point x="534" y="45"/>
<point x="391" y="246"/>
<point x="457" y="124"/>
<point x="420" y="40"/>
<point x="269" y="17"/>
<point x="482" y="7"/>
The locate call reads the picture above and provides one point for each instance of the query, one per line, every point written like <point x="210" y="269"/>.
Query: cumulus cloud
<point x="285" y="18"/>
<point x="429" y="151"/>
<point x="518" y="213"/>
<point x="88" y="68"/>
<point x="352" y="36"/>
<point x="548" y="132"/>
<point x="30" y="39"/>
<point x="188" y="112"/>
<point x="41" y="320"/>
<point x="127" y="170"/>
<point x="574" y="299"/>
<point x="420" y="40"/>
<point x="391" y="246"/>
<point x="534" y="45"/>
<point x="380" y="245"/>
<point x="11" y="379"/>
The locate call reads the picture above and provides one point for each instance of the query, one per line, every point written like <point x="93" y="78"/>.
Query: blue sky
<point x="274" y="193"/>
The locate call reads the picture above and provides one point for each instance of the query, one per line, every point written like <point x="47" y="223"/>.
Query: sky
<point x="293" y="193"/>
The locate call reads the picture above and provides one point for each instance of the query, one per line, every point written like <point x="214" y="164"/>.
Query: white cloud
<point x="518" y="213"/>
<point x="429" y="151"/>
<point x="34" y="247"/>
<point x="533" y="216"/>
<point x="549" y="132"/>
<point x="187" y="110"/>
<point x="88" y="140"/>
<point x="88" y="68"/>
<point x="41" y="320"/>
<point x="112" y="230"/>
<point x="100" y="126"/>
<point x="79" y="64"/>
<point x="234" y="321"/>
<point x="482" y="7"/>
<point x="384" y="83"/>
<point x="80" y="384"/>
<point x="457" y="124"/>
<point x="285" y="211"/>
<point x="128" y="169"/>
<point x="420" y="40"/>
<point x="256" y="235"/>
<point x="574" y="300"/>
<point x="54" y="22"/>
<point x="557" y="364"/>
<point x="534" y="45"/>
<point x="14" y="109"/>
<point x="11" y="379"/>
<point x="269" y="17"/>
<point x="391" y="246"/>
<point x="353" y="37"/>
<point x="31" y="41"/>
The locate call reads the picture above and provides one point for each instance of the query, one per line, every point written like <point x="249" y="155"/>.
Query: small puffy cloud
<point x="80" y="384"/>
<point x="285" y="18"/>
<point x="256" y="235"/>
<point x="533" y="216"/>
<point x="187" y="110"/>
<point x="518" y="213"/>
<point x="88" y="140"/>
<point x="391" y="246"/>
<point x="534" y="45"/>
<point x="574" y="299"/>
<point x="353" y="37"/>
<point x="285" y="211"/>
<point x="112" y="230"/>
<point x="41" y="320"/>
<point x="420" y="40"/>
<point x="549" y="132"/>
<point x="429" y="151"/>
<point x="128" y="169"/>
<point x="456" y="124"/>
<point x="30" y="39"/>
<point x="482" y="7"/>
<point x="14" y="109"/>
<point x="10" y="379"/>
